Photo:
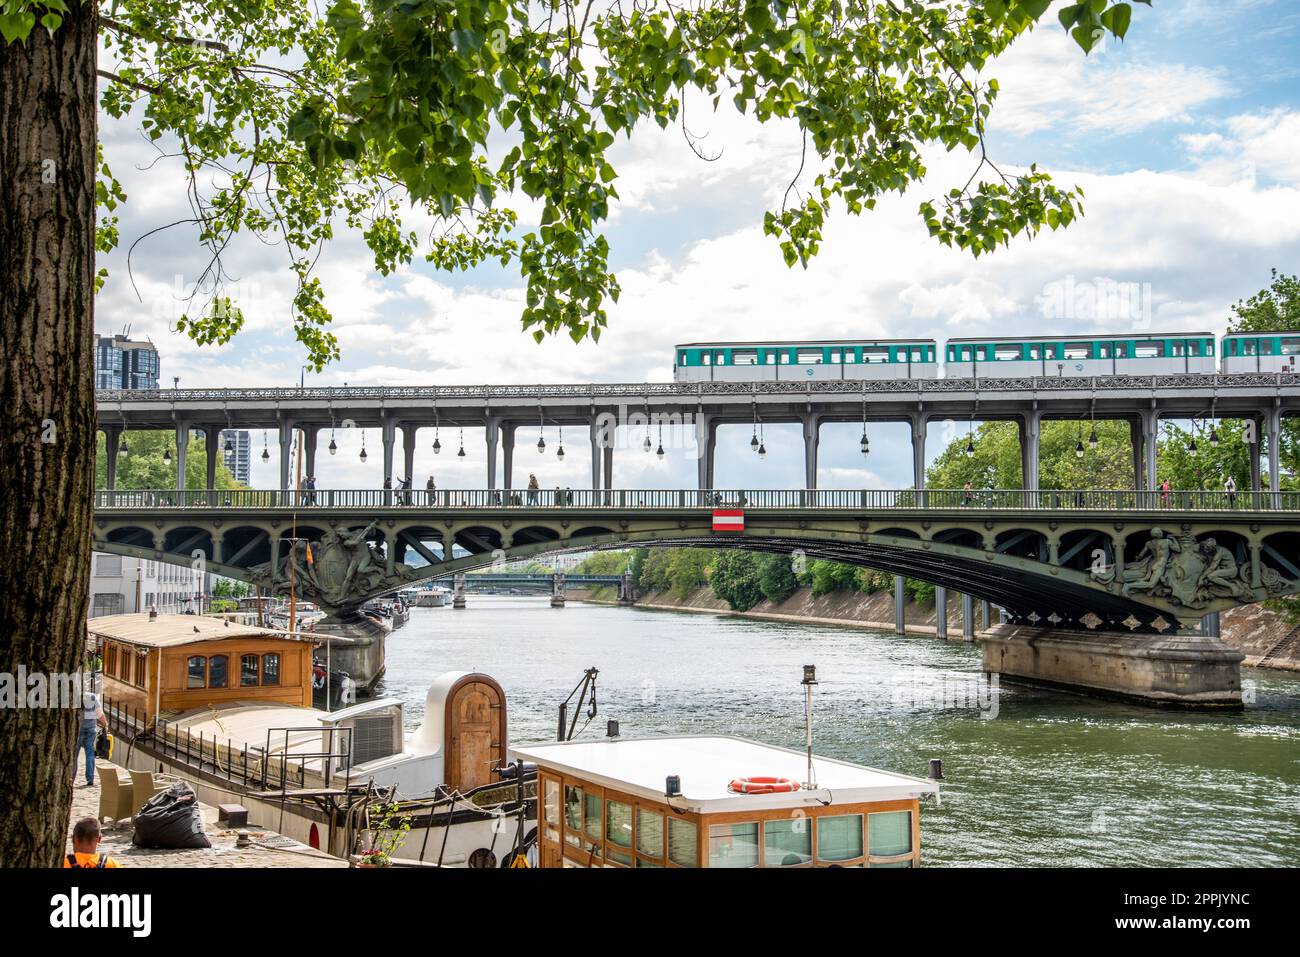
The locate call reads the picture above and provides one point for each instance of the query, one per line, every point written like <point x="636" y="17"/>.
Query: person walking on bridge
<point x="431" y="488"/>
<point x="533" y="488"/>
<point x="1230" y="487"/>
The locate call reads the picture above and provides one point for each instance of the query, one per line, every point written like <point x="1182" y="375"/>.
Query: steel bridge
<point x="598" y="409"/>
<point x="1142" y="561"/>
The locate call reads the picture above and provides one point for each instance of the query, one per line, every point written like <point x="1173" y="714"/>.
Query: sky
<point x="1185" y="139"/>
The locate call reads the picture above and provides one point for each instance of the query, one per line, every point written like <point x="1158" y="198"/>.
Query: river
<point x="1032" y="778"/>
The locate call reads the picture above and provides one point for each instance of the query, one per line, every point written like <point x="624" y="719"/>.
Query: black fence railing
<point x="856" y="499"/>
<point x="261" y="769"/>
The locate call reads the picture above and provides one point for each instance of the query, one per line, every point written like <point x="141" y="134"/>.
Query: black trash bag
<point x="171" y="819"/>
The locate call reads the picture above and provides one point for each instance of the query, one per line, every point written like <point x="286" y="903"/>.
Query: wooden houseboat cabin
<point x="672" y="802"/>
<point x="166" y="664"/>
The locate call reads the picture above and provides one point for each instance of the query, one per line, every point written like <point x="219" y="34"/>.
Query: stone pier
<point x="1194" y="671"/>
<point x="356" y="647"/>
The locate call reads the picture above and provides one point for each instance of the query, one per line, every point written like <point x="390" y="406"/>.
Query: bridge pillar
<point x="706" y="443"/>
<point x="211" y="443"/>
<point x="492" y="432"/>
<point x="967" y="618"/>
<point x="811" y="437"/>
<point x="1210" y="625"/>
<point x="408" y="452"/>
<point x="985" y="616"/>
<point x="1255" y="471"/>
<point x="1135" y="439"/>
<point x="919" y="428"/>
<point x="596" y="440"/>
<point x="626" y="591"/>
<point x="507" y="454"/>
<point x="1030" y="430"/>
<point x="941" y="612"/>
<point x="557" y="590"/>
<point x="900" y="606"/>
<point x="112" y="440"/>
<point x="1150" y="444"/>
<point x="458" y="590"/>
<point x="310" y="433"/>
<point x="286" y="452"/>
<point x="607" y="465"/>
<point x="182" y="446"/>
<point x="1274" y="449"/>
<point x="388" y="435"/>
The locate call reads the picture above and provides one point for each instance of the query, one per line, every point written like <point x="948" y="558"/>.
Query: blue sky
<point x="1185" y="138"/>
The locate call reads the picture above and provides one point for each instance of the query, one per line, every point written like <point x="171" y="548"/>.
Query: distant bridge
<point x="1141" y="561"/>
<point x="545" y="582"/>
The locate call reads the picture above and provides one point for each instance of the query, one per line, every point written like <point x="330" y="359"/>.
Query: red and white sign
<point x="728" y="519"/>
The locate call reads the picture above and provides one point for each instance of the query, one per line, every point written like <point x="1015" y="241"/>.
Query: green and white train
<point x="991" y="357"/>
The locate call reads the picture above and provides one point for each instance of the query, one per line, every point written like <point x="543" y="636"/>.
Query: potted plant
<point x="387" y="834"/>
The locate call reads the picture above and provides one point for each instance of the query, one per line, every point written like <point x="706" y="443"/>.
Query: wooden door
<point x="477" y="735"/>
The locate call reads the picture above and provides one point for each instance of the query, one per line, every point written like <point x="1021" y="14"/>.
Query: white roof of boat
<point x="167" y="631"/>
<point x="707" y="764"/>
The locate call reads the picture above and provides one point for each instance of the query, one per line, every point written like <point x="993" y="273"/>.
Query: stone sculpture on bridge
<point x="342" y="569"/>
<point x="1189" y="573"/>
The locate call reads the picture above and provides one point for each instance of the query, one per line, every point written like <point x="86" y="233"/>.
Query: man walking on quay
<point x="85" y="846"/>
<point x="92" y="719"/>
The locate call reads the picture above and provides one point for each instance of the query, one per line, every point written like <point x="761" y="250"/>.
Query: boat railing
<point x="256" y="768"/>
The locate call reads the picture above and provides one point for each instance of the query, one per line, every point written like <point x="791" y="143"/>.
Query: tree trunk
<point x="47" y="453"/>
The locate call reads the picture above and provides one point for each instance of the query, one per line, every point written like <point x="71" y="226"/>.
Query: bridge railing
<point x="622" y="499"/>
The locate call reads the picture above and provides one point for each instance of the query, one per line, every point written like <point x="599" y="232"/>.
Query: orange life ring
<point x="763" y="785"/>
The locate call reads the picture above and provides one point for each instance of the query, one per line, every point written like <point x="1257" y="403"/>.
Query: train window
<point x="1078" y="350"/>
<point x="1103" y="350"/>
<point x="1179" y="347"/>
<point x="810" y="357"/>
<point x="1034" y="351"/>
<point x="782" y="357"/>
<point x="1121" y="350"/>
<point x="1007" y="352"/>
<point x="850" y="355"/>
<point x="706" y="358"/>
<point x="744" y="357"/>
<point x="875" y="354"/>
<point x="1209" y="347"/>
<point x="1265" y="347"/>
<point x="1148" y="350"/>
<point x="1291" y="347"/>
<point x="1247" y="347"/>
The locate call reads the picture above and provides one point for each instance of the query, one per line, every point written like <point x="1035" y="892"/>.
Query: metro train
<point x="992" y="358"/>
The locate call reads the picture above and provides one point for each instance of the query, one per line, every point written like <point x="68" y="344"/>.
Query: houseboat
<point x="698" y="801"/>
<point x="228" y="708"/>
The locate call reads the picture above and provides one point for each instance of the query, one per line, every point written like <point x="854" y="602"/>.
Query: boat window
<point x="572" y="815"/>
<point x="217" y="667"/>
<point x="683" y="842"/>
<point x="649" y="834"/>
<point x="839" y="838"/>
<point x="889" y="833"/>
<point x="110" y="658"/>
<point x="126" y="667"/>
<point x="733" y="845"/>
<point x="787" y="843"/>
<point x="248" y="671"/>
<point x="196" y="669"/>
<point x="618" y="831"/>
<point x="270" y="669"/>
<point x="591" y="818"/>
<point x="551" y="809"/>
<point x="139" y="670"/>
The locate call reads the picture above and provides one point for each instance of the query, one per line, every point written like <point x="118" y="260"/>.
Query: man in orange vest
<point x="85" y="846"/>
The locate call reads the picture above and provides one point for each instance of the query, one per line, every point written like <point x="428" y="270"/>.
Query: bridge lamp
<point x="1092" y="438"/>
<point x="460" y="454"/>
<point x="1214" y="438"/>
<point x="363" y="454"/>
<point x="865" y="445"/>
<point x="645" y="446"/>
<point x="970" y="447"/>
<point x="1078" y="449"/>
<point x="753" y="442"/>
<point x="167" y="456"/>
<point x="559" y="453"/>
<point x="122" y="449"/>
<point x="437" y="445"/>
<point x="1191" y="445"/>
<point x="541" y="445"/>
<point x="659" y="452"/>
<point x="762" y="451"/>
<point x="334" y="446"/>
<point x="230" y="446"/>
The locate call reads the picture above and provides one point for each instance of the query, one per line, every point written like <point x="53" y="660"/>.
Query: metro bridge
<point x="1145" y="562"/>
<point x="1263" y="399"/>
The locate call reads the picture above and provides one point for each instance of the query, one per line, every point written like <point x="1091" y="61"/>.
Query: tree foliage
<point x="143" y="467"/>
<point x="292" y="121"/>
